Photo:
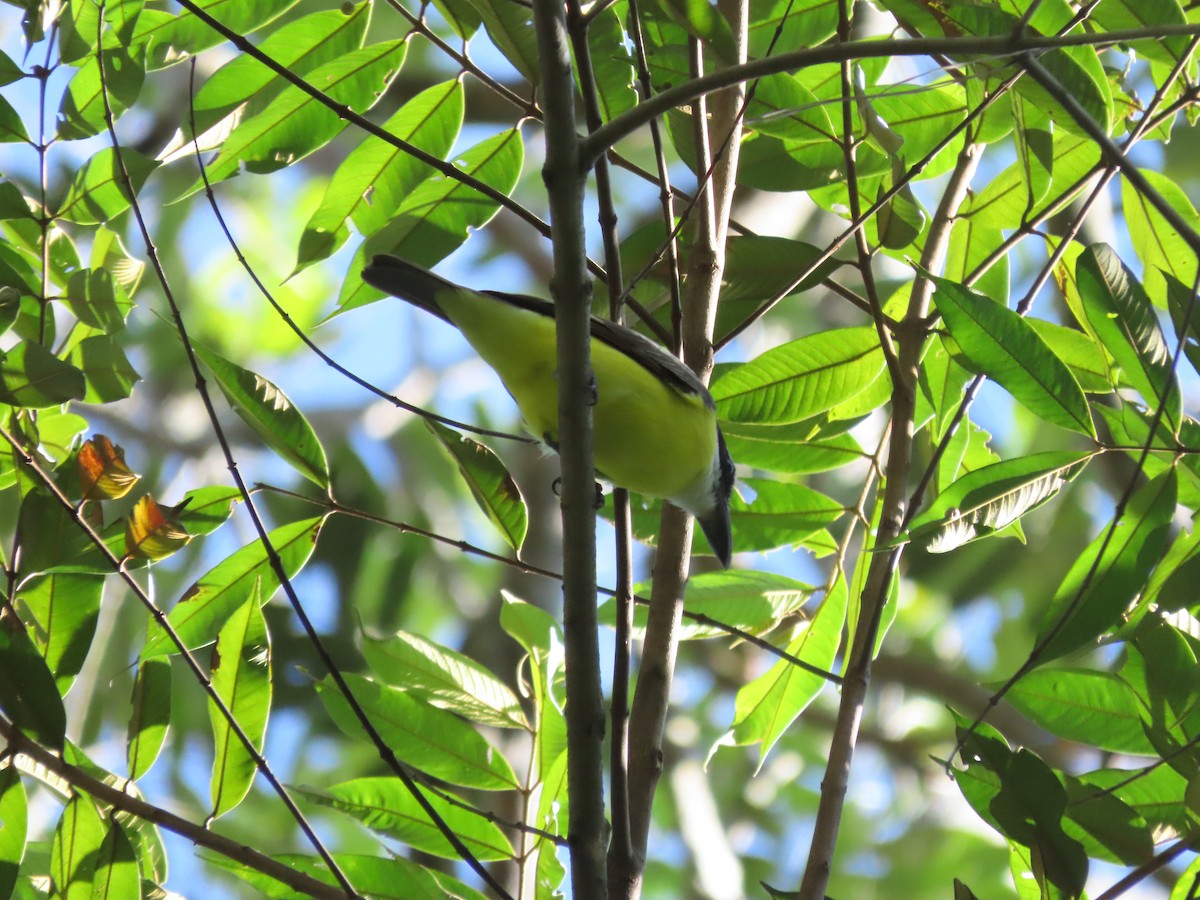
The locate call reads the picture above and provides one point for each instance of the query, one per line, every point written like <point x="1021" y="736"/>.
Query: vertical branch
<point x="911" y="339"/>
<point x="706" y="265"/>
<point x="564" y="175"/>
<point x="622" y="514"/>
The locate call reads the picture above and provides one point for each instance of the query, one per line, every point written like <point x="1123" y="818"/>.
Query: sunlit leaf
<point x="83" y="112"/>
<point x="1119" y="312"/>
<point x="109" y="374"/>
<point x="1083" y="705"/>
<point x="489" y="481"/>
<point x="73" y="854"/>
<point x="770" y="703"/>
<point x="989" y="499"/>
<point x="1002" y="345"/>
<point x="117" y="876"/>
<point x="271" y="415"/>
<point x="67" y="608"/>
<point x="150" y="716"/>
<point x="376" y="176"/>
<point x="295" y="124"/>
<point x="208" y="603"/>
<point x="801" y="378"/>
<point x="385" y="805"/>
<point x="241" y="677"/>
<point x="438" y="216"/>
<point x="100" y="192"/>
<point x="433" y="740"/>
<point x="445" y="678"/>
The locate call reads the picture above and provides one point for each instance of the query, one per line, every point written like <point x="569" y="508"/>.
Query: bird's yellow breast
<point x="649" y="437"/>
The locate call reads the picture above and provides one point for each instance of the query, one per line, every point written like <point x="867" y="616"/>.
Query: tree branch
<point x="564" y="175"/>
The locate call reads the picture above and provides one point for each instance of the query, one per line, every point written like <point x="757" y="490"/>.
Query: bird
<point x="654" y="422"/>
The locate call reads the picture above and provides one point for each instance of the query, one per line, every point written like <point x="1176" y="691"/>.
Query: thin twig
<point x="119" y="800"/>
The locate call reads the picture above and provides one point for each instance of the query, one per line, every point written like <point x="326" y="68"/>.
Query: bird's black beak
<point x="716" y="528"/>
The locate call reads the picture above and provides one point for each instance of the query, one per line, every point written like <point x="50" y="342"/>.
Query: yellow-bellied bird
<point x="655" y="423"/>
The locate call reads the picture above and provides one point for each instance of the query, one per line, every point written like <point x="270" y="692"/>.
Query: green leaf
<point x="780" y="514"/>
<point x="445" y="678"/>
<point x="208" y="603"/>
<point x="704" y="22"/>
<point x="1120" y="314"/>
<point x="80" y="29"/>
<point x="75" y="849"/>
<point x="1184" y="307"/>
<point x="301" y="46"/>
<point x="459" y="15"/>
<point x="440" y="214"/>
<point x="612" y="65"/>
<point x="53" y="536"/>
<point x="204" y="510"/>
<point x="107" y="370"/>
<point x="1018" y="795"/>
<point x="1107" y="828"/>
<point x="82" y="112"/>
<point x="1080" y="74"/>
<point x="270" y="415"/>
<point x="9" y="70"/>
<point x="1003" y="346"/>
<point x="755" y="602"/>
<point x="117" y="876"/>
<point x="12" y="127"/>
<point x="511" y="29"/>
<point x="66" y="608"/>
<point x="491" y="485"/>
<point x="1155" y="793"/>
<point x="385" y="805"/>
<point x="784" y="108"/>
<point x="1033" y="132"/>
<point x="98" y="300"/>
<point x="241" y="677"/>
<point x="1162" y="249"/>
<point x="1161" y="668"/>
<point x="1085" y="358"/>
<point x="150" y="717"/>
<point x="1089" y="707"/>
<point x="789" y="448"/>
<point x="770" y="703"/>
<point x="28" y="694"/>
<point x="14" y="823"/>
<point x="990" y="499"/>
<point x="972" y="240"/>
<point x="99" y="193"/>
<point x="801" y="378"/>
<point x="173" y="38"/>
<point x="1110" y="572"/>
<point x="430" y="739"/>
<point x="1123" y="15"/>
<point x="31" y="376"/>
<point x="382" y="878"/>
<point x="1004" y="202"/>
<point x="376" y="176"/>
<point x="295" y="124"/>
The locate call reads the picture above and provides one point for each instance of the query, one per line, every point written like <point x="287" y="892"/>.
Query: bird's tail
<point x="409" y="282"/>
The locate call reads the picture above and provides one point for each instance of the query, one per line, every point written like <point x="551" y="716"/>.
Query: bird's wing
<point x="645" y="352"/>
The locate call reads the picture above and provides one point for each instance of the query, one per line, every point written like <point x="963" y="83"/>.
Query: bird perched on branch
<point x="655" y="423"/>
